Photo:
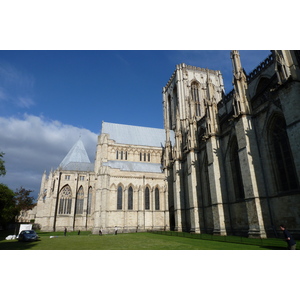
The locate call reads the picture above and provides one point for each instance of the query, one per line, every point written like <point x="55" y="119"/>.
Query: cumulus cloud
<point x="34" y="144"/>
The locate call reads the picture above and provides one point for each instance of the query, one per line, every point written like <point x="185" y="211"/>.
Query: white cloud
<point x="33" y="144"/>
<point x="25" y="102"/>
<point x="16" y="86"/>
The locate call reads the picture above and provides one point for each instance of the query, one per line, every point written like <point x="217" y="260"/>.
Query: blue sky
<point x="48" y="99"/>
<point x="83" y="88"/>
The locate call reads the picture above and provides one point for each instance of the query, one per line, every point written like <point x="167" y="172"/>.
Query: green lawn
<point x="132" y="241"/>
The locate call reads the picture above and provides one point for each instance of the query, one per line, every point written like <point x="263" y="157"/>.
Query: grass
<point x="133" y="241"/>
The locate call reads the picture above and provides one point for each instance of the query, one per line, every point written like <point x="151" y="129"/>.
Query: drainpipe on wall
<point x="56" y="204"/>
<point x="75" y="202"/>
<point x="87" y="200"/>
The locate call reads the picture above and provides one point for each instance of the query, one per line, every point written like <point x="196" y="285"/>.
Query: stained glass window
<point x="130" y="198"/>
<point x="147" y="198"/>
<point x="79" y="202"/>
<point x="65" y="200"/>
<point x="157" y="199"/>
<point x="119" y="197"/>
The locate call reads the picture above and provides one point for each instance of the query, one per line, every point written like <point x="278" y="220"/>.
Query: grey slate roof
<point x="77" y="159"/>
<point x="79" y="166"/>
<point x="134" y="135"/>
<point x="134" y="166"/>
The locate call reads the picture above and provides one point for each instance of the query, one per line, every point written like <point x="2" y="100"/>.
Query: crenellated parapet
<point x="260" y="68"/>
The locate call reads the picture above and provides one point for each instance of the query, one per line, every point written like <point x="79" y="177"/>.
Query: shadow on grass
<point x="16" y="245"/>
<point x="274" y="248"/>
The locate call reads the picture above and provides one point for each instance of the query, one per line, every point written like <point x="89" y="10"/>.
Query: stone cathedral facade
<point x="224" y="163"/>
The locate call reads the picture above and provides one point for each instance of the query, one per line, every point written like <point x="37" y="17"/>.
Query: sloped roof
<point x="134" y="166"/>
<point x="134" y="135"/>
<point x="77" y="159"/>
<point x="79" y="166"/>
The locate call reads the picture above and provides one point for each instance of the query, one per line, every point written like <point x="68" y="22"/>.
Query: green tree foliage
<point x="8" y="208"/>
<point x="11" y="203"/>
<point x="2" y="166"/>
<point x="23" y="199"/>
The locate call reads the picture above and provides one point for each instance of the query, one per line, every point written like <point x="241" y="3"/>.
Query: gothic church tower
<point x="191" y="94"/>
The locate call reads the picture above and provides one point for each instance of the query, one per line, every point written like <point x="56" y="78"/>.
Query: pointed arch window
<point x="236" y="171"/>
<point x="170" y="111"/>
<point x="119" y="197"/>
<point x="282" y="156"/>
<point x="147" y="198"/>
<point x="175" y="97"/>
<point x="196" y="97"/>
<point x="130" y="198"/>
<point x="89" y="202"/>
<point x="157" y="199"/>
<point x="65" y="200"/>
<point x="79" y="202"/>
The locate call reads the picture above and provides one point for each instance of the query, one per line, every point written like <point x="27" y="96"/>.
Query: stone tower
<point x="191" y="94"/>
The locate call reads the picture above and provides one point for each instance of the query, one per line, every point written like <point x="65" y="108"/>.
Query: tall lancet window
<point x="65" y="200"/>
<point x="282" y="156"/>
<point x="79" y="202"/>
<point x="157" y="199"/>
<point x="196" y="97"/>
<point x="236" y="171"/>
<point x="119" y="197"/>
<point x="130" y="198"/>
<point x="170" y="112"/>
<point x="147" y="198"/>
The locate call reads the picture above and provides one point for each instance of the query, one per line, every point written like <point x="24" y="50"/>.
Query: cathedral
<point x="224" y="164"/>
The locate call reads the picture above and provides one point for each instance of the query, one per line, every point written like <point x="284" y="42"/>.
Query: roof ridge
<point x="134" y="135"/>
<point x="127" y="125"/>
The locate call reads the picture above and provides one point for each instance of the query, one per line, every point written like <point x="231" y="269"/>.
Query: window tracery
<point x="65" y="202"/>
<point x="196" y="97"/>
<point x="281" y="152"/>
<point x="79" y="202"/>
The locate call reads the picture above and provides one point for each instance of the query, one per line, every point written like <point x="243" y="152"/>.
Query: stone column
<point x="247" y="152"/>
<point x="192" y="191"/>
<point x="125" y="210"/>
<point x="141" y="209"/>
<point x="214" y="173"/>
<point x="178" y="196"/>
<point x="165" y="208"/>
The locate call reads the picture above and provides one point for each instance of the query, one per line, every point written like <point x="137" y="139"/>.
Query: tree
<point x="2" y="167"/>
<point x="23" y="199"/>
<point x="8" y="209"/>
<point x="12" y="203"/>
